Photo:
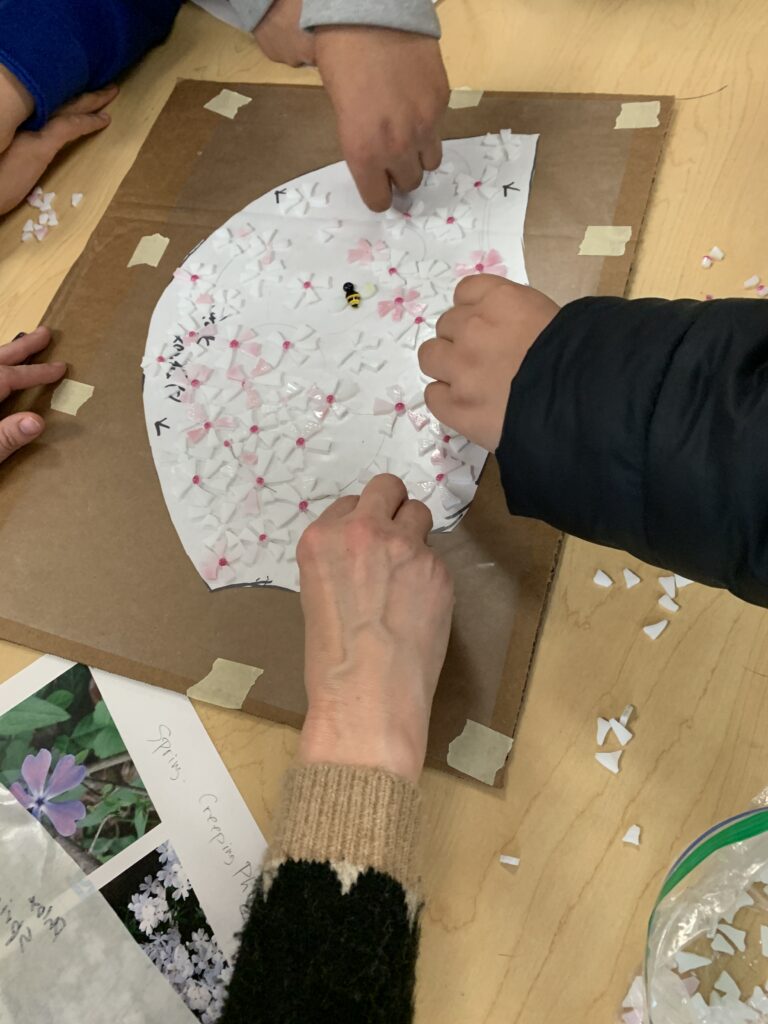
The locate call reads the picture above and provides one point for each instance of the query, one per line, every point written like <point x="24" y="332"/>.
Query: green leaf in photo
<point x="63" y="744"/>
<point x="98" y="731"/>
<point x="30" y="715"/>
<point x="61" y="698"/>
<point x="140" y="820"/>
<point x="107" y="742"/>
<point x="15" y="752"/>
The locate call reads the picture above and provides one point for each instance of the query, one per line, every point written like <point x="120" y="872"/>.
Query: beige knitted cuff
<point x="364" y="817"/>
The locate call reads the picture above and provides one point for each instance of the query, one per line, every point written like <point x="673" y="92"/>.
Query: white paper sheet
<point x="196" y="842"/>
<point x="267" y="395"/>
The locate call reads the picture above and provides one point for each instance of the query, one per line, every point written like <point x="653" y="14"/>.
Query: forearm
<point x="57" y="51"/>
<point x="333" y="926"/>
<point x="640" y="425"/>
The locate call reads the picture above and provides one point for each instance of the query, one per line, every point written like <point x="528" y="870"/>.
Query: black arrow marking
<point x="160" y="424"/>
<point x="510" y="188"/>
<point x="279" y="192"/>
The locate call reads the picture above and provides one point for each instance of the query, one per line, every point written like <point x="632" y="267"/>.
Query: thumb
<point x="18" y="430"/>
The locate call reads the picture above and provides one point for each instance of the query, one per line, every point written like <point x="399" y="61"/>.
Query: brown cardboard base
<point x="93" y="569"/>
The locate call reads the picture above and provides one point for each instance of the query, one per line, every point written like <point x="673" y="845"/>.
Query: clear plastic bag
<point x="707" y="949"/>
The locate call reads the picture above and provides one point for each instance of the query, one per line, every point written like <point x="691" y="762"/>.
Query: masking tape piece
<point x="70" y="395"/>
<point x="227" y="684"/>
<point x="464" y="97"/>
<point x="149" y="251"/>
<point x="227" y="103"/>
<point x="479" y="752"/>
<point x="605" y="240"/>
<point x="639" y="115"/>
<point x="67" y="951"/>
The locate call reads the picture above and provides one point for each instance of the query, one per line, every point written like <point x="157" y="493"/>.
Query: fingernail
<point x="21" y="334"/>
<point x="29" y="426"/>
<point x="60" y="367"/>
<point x="102" y="115"/>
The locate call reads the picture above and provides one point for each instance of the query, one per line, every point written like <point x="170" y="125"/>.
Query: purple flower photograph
<point x="63" y="758"/>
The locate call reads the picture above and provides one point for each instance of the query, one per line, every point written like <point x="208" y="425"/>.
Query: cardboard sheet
<point x="83" y="525"/>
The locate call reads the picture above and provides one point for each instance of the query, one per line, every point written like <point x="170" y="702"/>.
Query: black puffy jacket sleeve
<point x="643" y="425"/>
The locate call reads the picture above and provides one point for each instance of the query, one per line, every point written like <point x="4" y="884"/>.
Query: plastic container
<point x="707" y="949"/>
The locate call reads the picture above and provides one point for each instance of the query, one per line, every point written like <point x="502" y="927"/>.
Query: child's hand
<point x="23" y="427"/>
<point x="280" y="38"/>
<point x="25" y="155"/>
<point x="480" y="346"/>
<point x="389" y="90"/>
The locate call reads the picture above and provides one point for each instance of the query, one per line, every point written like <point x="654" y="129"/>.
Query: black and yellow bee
<point x="353" y="296"/>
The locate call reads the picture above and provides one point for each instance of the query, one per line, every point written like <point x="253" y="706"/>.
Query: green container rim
<point x="753" y="823"/>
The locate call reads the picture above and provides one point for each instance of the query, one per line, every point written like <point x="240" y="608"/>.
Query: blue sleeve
<point x="59" y="48"/>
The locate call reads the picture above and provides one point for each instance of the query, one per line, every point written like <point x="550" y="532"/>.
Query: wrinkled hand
<point x="481" y="343"/>
<point x="389" y="90"/>
<point x="22" y="427"/>
<point x="280" y="38"/>
<point x="377" y="607"/>
<point x="24" y="156"/>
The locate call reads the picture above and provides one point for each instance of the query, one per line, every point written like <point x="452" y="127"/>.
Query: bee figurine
<point x="354" y="296"/>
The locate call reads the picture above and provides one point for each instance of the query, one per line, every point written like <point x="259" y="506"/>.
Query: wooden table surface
<point x="560" y="939"/>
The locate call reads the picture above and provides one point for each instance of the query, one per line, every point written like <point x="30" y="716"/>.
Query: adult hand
<point x="377" y="608"/>
<point x="481" y="343"/>
<point x="389" y="90"/>
<point x="24" y="156"/>
<point x="22" y="427"/>
<point x="280" y="38"/>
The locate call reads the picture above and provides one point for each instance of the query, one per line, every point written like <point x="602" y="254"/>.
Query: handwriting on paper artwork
<point x="16" y="922"/>
<point x="281" y="367"/>
<point x="162" y="749"/>
<point x="207" y="803"/>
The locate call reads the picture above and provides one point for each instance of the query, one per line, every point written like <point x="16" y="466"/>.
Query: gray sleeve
<point x="250" y="12"/>
<point x="408" y="15"/>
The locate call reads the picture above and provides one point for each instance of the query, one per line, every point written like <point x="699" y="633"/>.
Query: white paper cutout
<point x="602" y="579"/>
<point x="632" y="836"/>
<point x="610" y="761"/>
<point x="720" y="945"/>
<point x="621" y="732"/>
<point x="631" y="579"/>
<point x="655" y="630"/>
<point x="626" y="714"/>
<point x="690" y="962"/>
<point x="254" y="348"/>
